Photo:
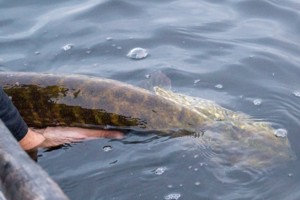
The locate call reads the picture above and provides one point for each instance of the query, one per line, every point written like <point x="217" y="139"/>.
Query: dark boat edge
<point x="20" y="177"/>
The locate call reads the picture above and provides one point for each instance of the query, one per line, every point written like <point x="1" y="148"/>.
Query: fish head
<point x="255" y="144"/>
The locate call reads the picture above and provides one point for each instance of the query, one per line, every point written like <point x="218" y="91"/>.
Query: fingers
<point x="111" y="134"/>
<point x="56" y="136"/>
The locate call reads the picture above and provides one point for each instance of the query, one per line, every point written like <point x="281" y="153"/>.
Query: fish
<point x="93" y="102"/>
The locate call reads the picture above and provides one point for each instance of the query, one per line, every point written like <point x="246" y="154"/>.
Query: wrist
<point x="31" y="140"/>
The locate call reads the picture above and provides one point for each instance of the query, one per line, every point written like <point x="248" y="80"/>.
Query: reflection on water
<point x="241" y="54"/>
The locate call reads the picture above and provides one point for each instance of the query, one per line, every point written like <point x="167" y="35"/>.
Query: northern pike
<point x="81" y="101"/>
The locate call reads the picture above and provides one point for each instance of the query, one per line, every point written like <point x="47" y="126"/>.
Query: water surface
<point x="242" y="54"/>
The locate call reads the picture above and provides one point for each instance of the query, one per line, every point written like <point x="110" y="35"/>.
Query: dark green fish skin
<point x="71" y="100"/>
<point x="56" y="100"/>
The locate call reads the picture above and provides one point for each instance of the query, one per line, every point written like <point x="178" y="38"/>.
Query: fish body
<point x="74" y="100"/>
<point x="56" y="100"/>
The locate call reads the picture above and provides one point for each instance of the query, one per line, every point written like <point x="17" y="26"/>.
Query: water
<point x="250" y="48"/>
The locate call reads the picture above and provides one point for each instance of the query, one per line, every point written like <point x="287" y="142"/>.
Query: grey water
<point x="242" y="54"/>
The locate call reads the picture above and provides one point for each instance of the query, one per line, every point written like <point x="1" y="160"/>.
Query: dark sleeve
<point x="11" y="117"/>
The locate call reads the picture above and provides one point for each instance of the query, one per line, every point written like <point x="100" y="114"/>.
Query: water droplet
<point x="197" y="183"/>
<point x="107" y="148"/>
<point x="196" y="156"/>
<point x="196" y="81"/>
<point x="297" y="93"/>
<point x="88" y="52"/>
<point x="160" y="170"/>
<point x="173" y="196"/>
<point x="119" y="48"/>
<point x="290" y="174"/>
<point x="196" y="169"/>
<point x="37" y="53"/>
<point x="137" y="53"/>
<point x="67" y="47"/>
<point x="147" y="76"/>
<point x="109" y="39"/>
<point x="257" y="102"/>
<point x="170" y="186"/>
<point x="280" y="133"/>
<point x="219" y="86"/>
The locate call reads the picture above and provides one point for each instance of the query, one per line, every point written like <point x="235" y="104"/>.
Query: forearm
<point x="11" y="117"/>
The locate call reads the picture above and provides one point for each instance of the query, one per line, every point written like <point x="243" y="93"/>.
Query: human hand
<point x="31" y="140"/>
<point x="55" y="136"/>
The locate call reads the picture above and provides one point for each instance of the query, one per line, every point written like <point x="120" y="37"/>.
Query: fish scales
<point x="81" y="101"/>
<point x="51" y="100"/>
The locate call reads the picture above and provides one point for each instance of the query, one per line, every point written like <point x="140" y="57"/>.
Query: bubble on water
<point x="196" y="156"/>
<point x="137" y="53"/>
<point x="197" y="183"/>
<point x="108" y="38"/>
<point x="88" y="51"/>
<point x="280" y="133"/>
<point x="219" y="86"/>
<point x="107" y="148"/>
<point x="196" y="169"/>
<point x="37" y="53"/>
<point x="173" y="196"/>
<point x="296" y="93"/>
<point x="257" y="102"/>
<point x="67" y="47"/>
<point x="196" y="81"/>
<point x="170" y="186"/>
<point x="147" y="76"/>
<point x="290" y="174"/>
<point x="160" y="170"/>
<point x="119" y="47"/>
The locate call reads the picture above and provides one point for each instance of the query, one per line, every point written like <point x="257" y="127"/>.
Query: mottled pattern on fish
<point x="51" y="100"/>
<point x="233" y="126"/>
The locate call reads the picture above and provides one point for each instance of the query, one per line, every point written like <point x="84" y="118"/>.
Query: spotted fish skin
<point x="256" y="139"/>
<point x="82" y="101"/>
